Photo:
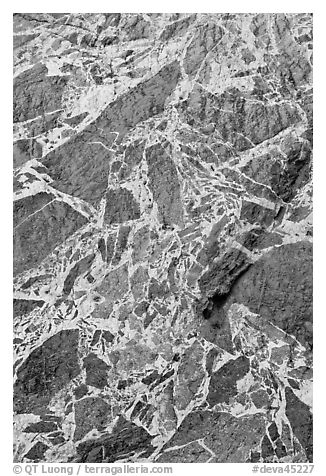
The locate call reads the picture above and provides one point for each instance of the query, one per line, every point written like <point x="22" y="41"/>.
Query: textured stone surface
<point x="216" y="428"/>
<point x="126" y="440"/>
<point x="90" y="413"/>
<point x="37" y="235"/>
<point x="36" y="93"/>
<point x="45" y="371"/>
<point x="279" y="288"/>
<point x="162" y="237"/>
<point x="222" y="385"/>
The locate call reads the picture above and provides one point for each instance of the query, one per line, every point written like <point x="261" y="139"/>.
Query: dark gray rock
<point x="36" y="453"/>
<point x="301" y="421"/>
<point x="79" y="158"/>
<point x="126" y="440"/>
<point x="46" y="371"/>
<point x="120" y="206"/>
<point x="96" y="371"/>
<point x="230" y="438"/>
<point x="279" y="288"/>
<point x="223" y="382"/>
<point x="90" y="412"/>
<point x="37" y="235"/>
<point x="35" y="93"/>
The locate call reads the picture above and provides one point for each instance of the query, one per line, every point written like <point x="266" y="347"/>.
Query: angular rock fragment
<point x="126" y="440"/>
<point x="218" y="430"/>
<point x="223" y="382"/>
<point x="36" y="453"/>
<point x="279" y="288"/>
<point x="300" y="419"/>
<point x="46" y="370"/>
<point x="96" y="371"/>
<point x="120" y="206"/>
<point x="86" y="156"/>
<point x="164" y="183"/>
<point x="39" y="232"/>
<point x="36" y="93"/>
<point x="90" y="413"/>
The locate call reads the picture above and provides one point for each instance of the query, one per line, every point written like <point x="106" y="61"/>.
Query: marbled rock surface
<point x="163" y="237"/>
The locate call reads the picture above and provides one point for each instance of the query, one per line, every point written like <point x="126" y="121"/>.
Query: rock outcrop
<point x="163" y="238"/>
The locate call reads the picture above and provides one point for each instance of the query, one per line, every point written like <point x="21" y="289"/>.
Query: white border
<point x="319" y="197"/>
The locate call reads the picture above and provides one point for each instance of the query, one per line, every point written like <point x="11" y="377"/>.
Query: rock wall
<point x="163" y="237"/>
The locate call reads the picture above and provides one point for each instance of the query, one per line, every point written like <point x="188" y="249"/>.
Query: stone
<point x="273" y="431"/>
<point x="300" y="419"/>
<point x="46" y="370"/>
<point x="22" y="307"/>
<point x="80" y="391"/>
<point x="218" y="431"/>
<point x="78" y="269"/>
<point x="267" y="449"/>
<point x="83" y="156"/>
<point x="120" y="206"/>
<point x="222" y="384"/>
<point x="36" y="93"/>
<point x="36" y="453"/>
<point x="222" y="274"/>
<point x="190" y="376"/>
<point x="279" y="287"/>
<point x="38" y="234"/>
<point x="121" y="244"/>
<point x="96" y="371"/>
<point x="203" y="41"/>
<point x="90" y="412"/>
<point x="164" y="183"/>
<point x="126" y="440"/>
<point x="192" y="453"/>
<point x="41" y="427"/>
